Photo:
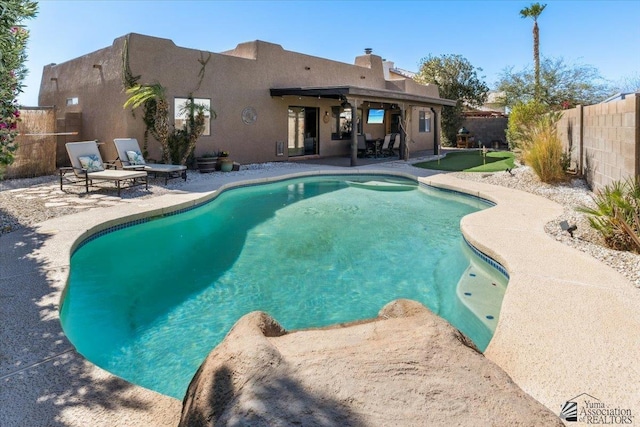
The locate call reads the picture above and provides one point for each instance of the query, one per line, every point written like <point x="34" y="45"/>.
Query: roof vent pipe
<point x="368" y="50"/>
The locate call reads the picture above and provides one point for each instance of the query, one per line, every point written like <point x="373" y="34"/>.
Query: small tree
<point x="457" y="79"/>
<point x="630" y="83"/>
<point x="561" y="86"/>
<point x="13" y="42"/>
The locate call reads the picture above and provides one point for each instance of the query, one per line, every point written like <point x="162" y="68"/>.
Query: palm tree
<point x="142" y="94"/>
<point x="533" y="12"/>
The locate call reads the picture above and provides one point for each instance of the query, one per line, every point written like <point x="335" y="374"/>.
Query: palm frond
<point x="140" y="94"/>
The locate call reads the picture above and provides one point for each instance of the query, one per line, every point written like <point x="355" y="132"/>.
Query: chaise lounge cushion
<point x="135" y="158"/>
<point x="128" y="147"/>
<point x="91" y="163"/>
<point x="87" y="166"/>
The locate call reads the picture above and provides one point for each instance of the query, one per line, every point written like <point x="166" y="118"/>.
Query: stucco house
<point x="271" y="104"/>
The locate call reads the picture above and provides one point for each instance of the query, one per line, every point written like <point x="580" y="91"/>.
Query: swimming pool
<point x="149" y="301"/>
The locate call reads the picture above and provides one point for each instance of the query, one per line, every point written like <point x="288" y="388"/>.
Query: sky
<point x="491" y="35"/>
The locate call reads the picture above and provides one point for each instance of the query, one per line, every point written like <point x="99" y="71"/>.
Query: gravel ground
<point x="24" y="202"/>
<point x="28" y="201"/>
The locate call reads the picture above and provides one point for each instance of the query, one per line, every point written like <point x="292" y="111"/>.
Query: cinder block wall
<point x="487" y="129"/>
<point x="606" y="140"/>
<point x="569" y="130"/>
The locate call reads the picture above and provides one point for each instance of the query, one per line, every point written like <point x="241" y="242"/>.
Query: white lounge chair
<point x="87" y="166"/>
<point x="131" y="158"/>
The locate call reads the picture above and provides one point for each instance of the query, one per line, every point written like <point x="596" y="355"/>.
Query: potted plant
<point x="207" y="163"/>
<point x="226" y="164"/>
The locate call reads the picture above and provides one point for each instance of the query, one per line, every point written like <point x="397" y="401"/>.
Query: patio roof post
<point x="436" y="139"/>
<point x="404" y="153"/>
<point x="354" y="131"/>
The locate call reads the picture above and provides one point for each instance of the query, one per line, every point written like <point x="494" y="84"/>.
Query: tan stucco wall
<point x="420" y="140"/>
<point x="605" y="138"/>
<point x="232" y="80"/>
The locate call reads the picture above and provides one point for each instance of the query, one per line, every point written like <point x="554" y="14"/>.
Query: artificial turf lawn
<point x="471" y="161"/>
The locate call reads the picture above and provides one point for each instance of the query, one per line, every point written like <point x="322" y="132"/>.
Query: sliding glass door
<point x="303" y="131"/>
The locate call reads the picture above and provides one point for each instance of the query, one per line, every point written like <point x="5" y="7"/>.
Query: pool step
<point x="383" y="185"/>
<point x="481" y="292"/>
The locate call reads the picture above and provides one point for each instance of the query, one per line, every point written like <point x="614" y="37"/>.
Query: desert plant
<point x="182" y="142"/>
<point x="616" y="215"/>
<point x="140" y="95"/>
<point x="522" y="119"/>
<point x="194" y="126"/>
<point x="542" y="149"/>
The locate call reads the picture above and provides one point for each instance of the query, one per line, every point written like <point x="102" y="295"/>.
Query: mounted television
<point x="376" y="117"/>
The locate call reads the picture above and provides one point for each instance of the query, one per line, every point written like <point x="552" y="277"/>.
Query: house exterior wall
<point x="232" y="80"/>
<point x="605" y="139"/>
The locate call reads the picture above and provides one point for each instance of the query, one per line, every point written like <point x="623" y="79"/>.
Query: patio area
<point x="569" y="324"/>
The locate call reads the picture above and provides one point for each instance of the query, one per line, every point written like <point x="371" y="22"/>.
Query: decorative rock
<point x="408" y="367"/>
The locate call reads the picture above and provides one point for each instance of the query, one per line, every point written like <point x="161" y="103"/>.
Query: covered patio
<point x="390" y="108"/>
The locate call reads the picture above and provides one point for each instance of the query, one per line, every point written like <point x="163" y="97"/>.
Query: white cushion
<point x="135" y="158"/>
<point x="91" y="163"/>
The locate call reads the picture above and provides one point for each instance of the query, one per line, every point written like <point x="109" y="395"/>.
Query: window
<point x="72" y="101"/>
<point x="180" y="116"/>
<point x="424" y="122"/>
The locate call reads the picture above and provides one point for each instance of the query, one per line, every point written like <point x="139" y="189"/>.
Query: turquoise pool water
<point x="148" y="302"/>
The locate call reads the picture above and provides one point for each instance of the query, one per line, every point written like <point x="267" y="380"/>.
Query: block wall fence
<point x="604" y="140"/>
<point x="488" y="130"/>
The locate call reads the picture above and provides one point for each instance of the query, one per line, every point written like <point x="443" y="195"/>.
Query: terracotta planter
<point x="207" y="164"/>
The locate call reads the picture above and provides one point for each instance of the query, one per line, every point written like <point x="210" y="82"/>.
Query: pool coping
<point x="569" y="327"/>
<point x="568" y="330"/>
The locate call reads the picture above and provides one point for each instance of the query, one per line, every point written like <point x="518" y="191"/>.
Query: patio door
<point x="303" y="131"/>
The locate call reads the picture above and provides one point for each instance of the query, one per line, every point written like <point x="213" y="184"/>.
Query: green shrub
<point x="616" y="215"/>
<point x="542" y="149"/>
<point x="522" y="118"/>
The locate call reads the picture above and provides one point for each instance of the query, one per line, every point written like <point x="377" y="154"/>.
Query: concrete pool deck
<point x="569" y="325"/>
